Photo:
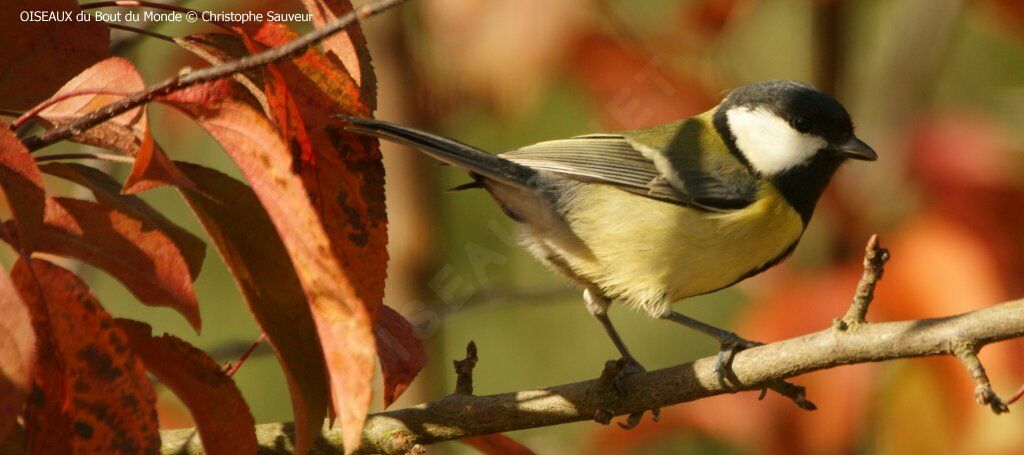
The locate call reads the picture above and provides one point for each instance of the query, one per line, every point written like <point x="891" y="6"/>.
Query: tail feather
<point x="452" y="152"/>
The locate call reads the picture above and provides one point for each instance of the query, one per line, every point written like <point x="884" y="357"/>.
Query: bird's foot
<point x="614" y="372"/>
<point x="730" y="345"/>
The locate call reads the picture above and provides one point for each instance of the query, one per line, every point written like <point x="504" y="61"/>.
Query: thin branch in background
<point x="187" y="79"/>
<point x="31" y="113"/>
<point x="109" y="157"/>
<point x="231" y="370"/>
<point x="830" y="42"/>
<point x="140" y="31"/>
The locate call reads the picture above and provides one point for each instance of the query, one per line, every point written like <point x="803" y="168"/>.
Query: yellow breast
<point x="651" y="254"/>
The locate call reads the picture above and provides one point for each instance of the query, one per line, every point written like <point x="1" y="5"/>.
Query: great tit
<point x="653" y="216"/>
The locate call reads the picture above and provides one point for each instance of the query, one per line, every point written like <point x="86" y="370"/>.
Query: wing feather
<point x="616" y="160"/>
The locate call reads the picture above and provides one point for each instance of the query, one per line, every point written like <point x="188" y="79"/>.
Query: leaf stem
<point x="231" y="370"/>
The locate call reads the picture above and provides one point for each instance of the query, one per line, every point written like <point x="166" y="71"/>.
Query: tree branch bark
<point x="458" y="416"/>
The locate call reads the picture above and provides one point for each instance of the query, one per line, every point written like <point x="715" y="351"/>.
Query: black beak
<point x="858" y="150"/>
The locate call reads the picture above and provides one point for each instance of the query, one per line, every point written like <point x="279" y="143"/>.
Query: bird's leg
<point x="730" y="342"/>
<point x="597" y="305"/>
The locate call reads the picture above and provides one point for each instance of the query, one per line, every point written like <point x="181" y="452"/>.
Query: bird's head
<point x="783" y="126"/>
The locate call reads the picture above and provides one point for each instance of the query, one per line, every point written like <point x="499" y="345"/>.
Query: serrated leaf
<point x="223" y="419"/>
<point x="400" y="351"/>
<point x="342" y="172"/>
<point x="126" y="133"/>
<point x="17" y="354"/>
<point x="217" y="48"/>
<point x="146" y="261"/>
<point x="349" y="46"/>
<point x="343" y="323"/>
<point x="245" y="237"/>
<point x="91" y="395"/>
<point x="22" y="187"/>
<point x="107" y="192"/>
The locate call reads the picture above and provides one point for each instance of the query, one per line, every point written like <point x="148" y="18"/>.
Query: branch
<point x="187" y="79"/>
<point x="463" y="415"/>
<point x="458" y="416"/>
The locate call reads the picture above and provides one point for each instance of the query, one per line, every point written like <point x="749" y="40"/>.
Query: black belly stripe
<point x="767" y="265"/>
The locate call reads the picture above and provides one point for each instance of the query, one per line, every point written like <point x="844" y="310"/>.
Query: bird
<point x="653" y="216"/>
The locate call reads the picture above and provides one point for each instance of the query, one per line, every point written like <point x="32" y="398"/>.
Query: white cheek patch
<point x="768" y="142"/>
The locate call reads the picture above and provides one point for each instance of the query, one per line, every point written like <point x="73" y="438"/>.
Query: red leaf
<point x="22" y="186"/>
<point x="91" y="395"/>
<point x="40" y="56"/>
<point x="223" y="419"/>
<point x="246" y="239"/>
<point x="17" y="354"/>
<point x="342" y="320"/>
<point x="152" y="168"/>
<point x="349" y="46"/>
<point x="496" y="444"/>
<point x="217" y="48"/>
<point x="400" y="352"/>
<point x="342" y="172"/>
<point x="106" y="190"/>
<point x="127" y="133"/>
<point x="145" y="260"/>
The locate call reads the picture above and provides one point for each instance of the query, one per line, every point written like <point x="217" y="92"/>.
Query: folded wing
<point x="616" y="160"/>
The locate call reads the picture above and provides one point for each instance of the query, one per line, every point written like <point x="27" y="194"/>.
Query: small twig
<point x="798" y="394"/>
<point x="88" y="156"/>
<point x="983" y="393"/>
<point x="231" y="370"/>
<point x="11" y="113"/>
<point x="875" y="258"/>
<point x="140" y="31"/>
<point x="187" y="79"/>
<point x="464" y="371"/>
<point x="31" y="113"/>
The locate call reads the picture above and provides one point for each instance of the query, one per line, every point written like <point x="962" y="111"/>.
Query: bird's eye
<point x="802" y="124"/>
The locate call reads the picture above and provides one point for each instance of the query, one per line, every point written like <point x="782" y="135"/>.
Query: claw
<point x="618" y="369"/>
<point x="729" y="347"/>
<point x="632" y="421"/>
